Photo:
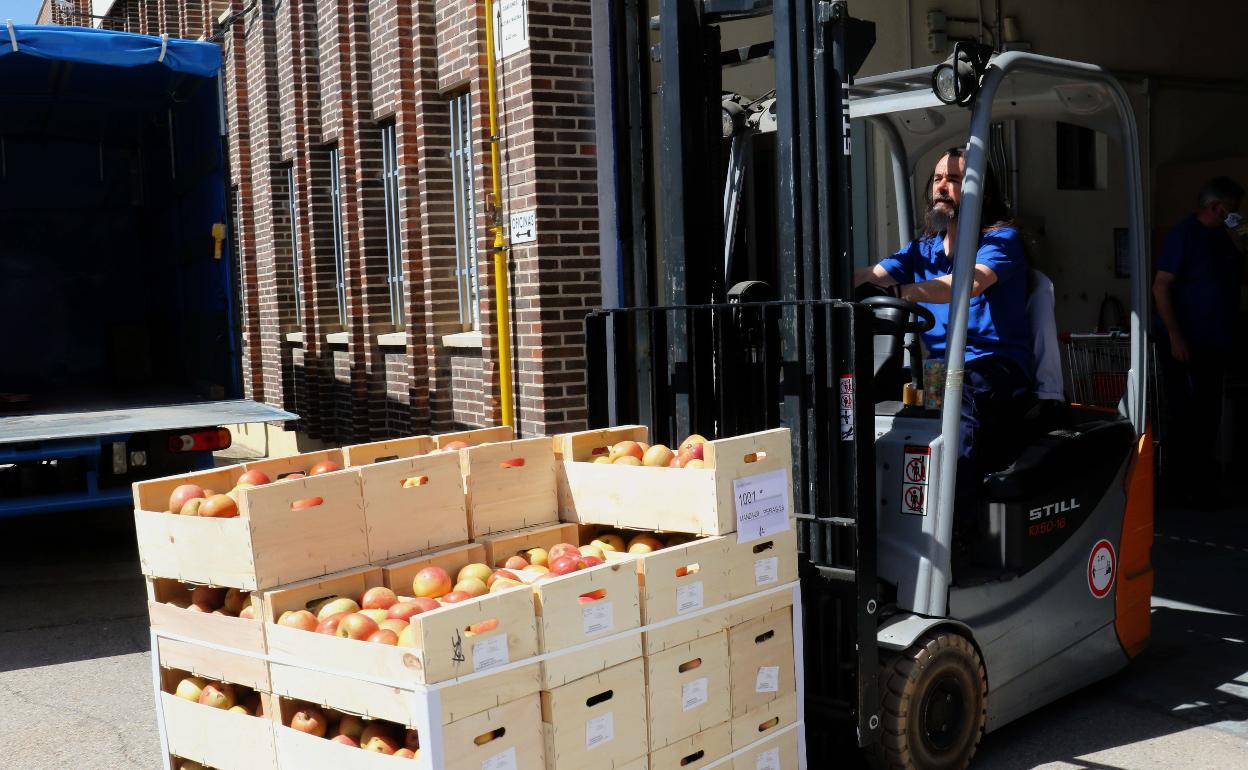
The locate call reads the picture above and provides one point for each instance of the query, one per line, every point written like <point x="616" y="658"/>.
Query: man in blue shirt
<point x="1196" y="291"/>
<point x="998" y="370"/>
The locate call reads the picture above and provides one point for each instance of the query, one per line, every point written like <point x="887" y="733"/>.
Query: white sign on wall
<point x="524" y="226"/>
<point x="511" y="27"/>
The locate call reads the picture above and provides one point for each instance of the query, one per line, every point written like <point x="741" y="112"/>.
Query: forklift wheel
<point x="934" y="697"/>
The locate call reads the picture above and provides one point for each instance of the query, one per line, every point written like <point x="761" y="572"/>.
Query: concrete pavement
<point x="75" y="671"/>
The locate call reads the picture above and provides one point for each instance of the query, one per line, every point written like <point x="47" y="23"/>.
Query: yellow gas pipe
<point x="501" y="295"/>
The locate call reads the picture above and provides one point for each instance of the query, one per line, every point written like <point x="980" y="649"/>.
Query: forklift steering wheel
<point x="923" y="321"/>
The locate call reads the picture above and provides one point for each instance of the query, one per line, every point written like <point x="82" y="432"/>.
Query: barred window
<point x="340" y="265"/>
<point x="394" y="244"/>
<point x="292" y="212"/>
<point x="463" y="184"/>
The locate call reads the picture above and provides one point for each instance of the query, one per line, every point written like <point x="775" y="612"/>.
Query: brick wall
<point x="303" y="77"/>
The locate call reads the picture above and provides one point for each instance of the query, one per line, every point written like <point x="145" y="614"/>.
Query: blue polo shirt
<point x="1207" y="271"/>
<point x="997" y="323"/>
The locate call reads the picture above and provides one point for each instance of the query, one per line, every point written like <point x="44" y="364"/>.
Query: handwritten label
<point x="766" y="570"/>
<point x="768" y="679"/>
<point x="490" y="653"/>
<point x="768" y="760"/>
<point x="762" y="505"/>
<point x="599" y="730"/>
<point x="511" y="27"/>
<point x="689" y="597"/>
<point x="506" y="761"/>
<point x="693" y="694"/>
<point x="597" y="618"/>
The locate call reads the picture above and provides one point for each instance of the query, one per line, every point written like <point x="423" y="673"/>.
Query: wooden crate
<point x="687" y="689"/>
<point x="510" y="485"/>
<point x="641" y="763"/>
<point x="714" y="621"/>
<point x="245" y="634"/>
<point x="194" y="731"/>
<point x="695" y="751"/>
<point x="267" y="545"/>
<point x="413" y="505"/>
<point x="596" y="721"/>
<point x="359" y="455"/>
<point x="276" y="467"/>
<point x="765" y="721"/>
<point x="760" y="661"/>
<point x="477" y="436"/>
<point x="695" y="500"/>
<point x="446" y="649"/>
<point x="778" y="753"/>
<point x="502" y="545"/>
<point x="761" y="564"/>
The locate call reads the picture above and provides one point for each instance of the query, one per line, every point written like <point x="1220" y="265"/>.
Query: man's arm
<point x="875" y="274"/>
<point x="1163" y="288"/>
<point x="940" y="290"/>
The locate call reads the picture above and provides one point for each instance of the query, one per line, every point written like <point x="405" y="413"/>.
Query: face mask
<point x="1233" y="220"/>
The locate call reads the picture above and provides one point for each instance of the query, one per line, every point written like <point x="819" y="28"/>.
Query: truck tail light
<point x="201" y="441"/>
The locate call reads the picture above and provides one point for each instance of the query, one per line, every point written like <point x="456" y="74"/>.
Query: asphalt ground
<point x="76" y="680"/>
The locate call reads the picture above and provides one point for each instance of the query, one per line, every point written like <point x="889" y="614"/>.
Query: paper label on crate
<point x="599" y="730"/>
<point x="768" y="679"/>
<point x="597" y="618"/>
<point x="693" y="694"/>
<point x="491" y="653"/>
<point x="768" y="760"/>
<point x="762" y="505"/>
<point x="689" y="597"/>
<point x="766" y="570"/>
<point x="506" y="761"/>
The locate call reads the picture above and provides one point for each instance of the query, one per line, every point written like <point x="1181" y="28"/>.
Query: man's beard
<point x="939" y="217"/>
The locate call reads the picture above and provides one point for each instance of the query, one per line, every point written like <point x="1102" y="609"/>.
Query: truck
<point x="120" y="356"/>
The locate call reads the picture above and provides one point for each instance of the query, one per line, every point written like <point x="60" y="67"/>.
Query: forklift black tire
<point x="934" y="699"/>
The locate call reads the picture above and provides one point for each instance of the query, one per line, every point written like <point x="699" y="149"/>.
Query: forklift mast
<point x="684" y="346"/>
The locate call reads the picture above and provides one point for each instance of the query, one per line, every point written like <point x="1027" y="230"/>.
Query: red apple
<point x="310" y="720"/>
<point x="431" y="582"/>
<point x="292" y="476"/>
<point x="693" y="441"/>
<point x="346" y="740"/>
<point x="219" y="506"/>
<point x="504" y="583"/>
<point x="378" y="598"/>
<point x="411" y="740"/>
<point x="406" y="610"/>
<point x="324" y="466"/>
<point x="405" y="753"/>
<point x="470" y="586"/>
<point x="475" y="570"/>
<point x="657" y="456"/>
<point x="627" y="448"/>
<point x="305" y="503"/>
<point x="351" y="726"/>
<point x="501" y="574"/>
<point x="235" y="599"/>
<point x="454" y="446"/>
<point x="515" y="562"/>
<point x="183" y="493"/>
<point x="209" y="595"/>
<point x="562" y="549"/>
<point x="565" y="564"/>
<point x="191" y="507"/>
<point x="395" y="625"/>
<point x="456" y="596"/>
<point x="591" y="561"/>
<point x="330" y="624"/>
<point x="356" y="626"/>
<point x="254" y="477"/>
<point x="383" y="636"/>
<point x="379" y="738"/>
<point x="248" y="612"/>
<point x="219" y="695"/>
<point x="300" y="619"/>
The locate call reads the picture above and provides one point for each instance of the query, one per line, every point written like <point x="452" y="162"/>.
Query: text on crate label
<point x="490" y="653"/>
<point x="768" y="679"/>
<point x="762" y="503"/>
<point x="597" y="618"/>
<point x="694" y="693"/>
<point x="599" y="730"/>
<point x="689" y="597"/>
<point x="768" y="760"/>
<point x="502" y="761"/>
<point x="766" y="570"/>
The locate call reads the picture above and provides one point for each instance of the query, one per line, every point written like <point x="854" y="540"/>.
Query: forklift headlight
<point x="731" y="115"/>
<point x="945" y="84"/>
<point x="957" y="79"/>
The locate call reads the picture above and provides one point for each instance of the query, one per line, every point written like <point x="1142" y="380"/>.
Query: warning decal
<point x="847" y="407"/>
<point x="1102" y="564"/>
<point x="914" y="480"/>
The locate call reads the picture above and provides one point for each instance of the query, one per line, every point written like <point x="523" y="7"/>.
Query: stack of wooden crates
<point x="685" y="657"/>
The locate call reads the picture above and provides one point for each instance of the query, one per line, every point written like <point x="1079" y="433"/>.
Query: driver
<point x="997" y="383"/>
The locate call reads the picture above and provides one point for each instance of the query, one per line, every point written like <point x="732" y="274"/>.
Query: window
<point x="394" y="247"/>
<point x="463" y="187"/>
<point x="340" y="265"/>
<point x="1081" y="158"/>
<point x="297" y="285"/>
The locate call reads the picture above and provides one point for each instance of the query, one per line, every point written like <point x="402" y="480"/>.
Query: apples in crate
<point x="687" y="454"/>
<point x="375" y="735"/>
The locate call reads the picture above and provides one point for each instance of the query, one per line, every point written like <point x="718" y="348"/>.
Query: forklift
<point x="726" y="314"/>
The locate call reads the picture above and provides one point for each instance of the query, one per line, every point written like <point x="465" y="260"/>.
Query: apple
<point x="346" y="740"/>
<point x="190" y="688"/>
<point x="300" y="619"/>
<point x="324" y="466"/>
<point x="456" y="596"/>
<point x="695" y="463"/>
<point x="252" y="704"/>
<point x="378" y="598"/>
<point x="409" y="637"/>
<point x="592" y="561"/>
<point x="411" y="740"/>
<point x="610" y="542"/>
<point x="379" y="738"/>
<point x="183" y="493"/>
<point x="248" y="612"/>
<point x="627" y="449"/>
<point x="376" y="615"/>
<point x="560" y="550"/>
<point x="335" y="606"/>
<point x="657" y="456"/>
<point x="219" y="695"/>
<point x="626" y="460"/>
<point x="504" y="583"/>
<point x="240" y="709"/>
<point x="405" y="610"/>
<point x="219" y="506"/>
<point x="593" y="550"/>
<point x="292" y="476"/>
<point x="383" y="636"/>
<point x="254" y="477"/>
<point x="191" y="507"/>
<point x="644" y="543"/>
<point x="209" y="595"/>
<point x="330" y="624"/>
<point x="693" y="441"/>
<point x="393" y="624"/>
<point x="431" y="582"/>
<point x="499" y="574"/>
<point x="415" y="481"/>
<point x="356" y="626"/>
<point x="476" y="570"/>
<point x="310" y="720"/>
<point x="515" y="562"/>
<point x="565" y="564"/>
<point x="200" y="607"/>
<point x="234" y="600"/>
<point x="405" y="752"/>
<point x="351" y="726"/>
<point x="537" y="556"/>
<point x="603" y="460"/>
<point x="454" y="446"/>
<point x="305" y="503"/>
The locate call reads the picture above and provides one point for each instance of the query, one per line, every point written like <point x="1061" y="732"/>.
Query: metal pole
<point x="499" y="248"/>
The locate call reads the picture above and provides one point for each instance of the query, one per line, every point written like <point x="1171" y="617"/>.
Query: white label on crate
<point x="489" y="654"/>
<point x="762" y="505"/>
<point x="768" y="760"/>
<point x="599" y="730"/>
<point x="766" y="570"/>
<point x="693" y="694"/>
<point x="768" y="679"/>
<point x="505" y="761"/>
<point x="597" y="618"/>
<point x="689" y="597"/>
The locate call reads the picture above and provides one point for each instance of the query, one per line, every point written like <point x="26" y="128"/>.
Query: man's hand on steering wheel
<point x="923" y="318"/>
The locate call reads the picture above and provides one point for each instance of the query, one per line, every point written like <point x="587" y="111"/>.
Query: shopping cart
<point x="1097" y="365"/>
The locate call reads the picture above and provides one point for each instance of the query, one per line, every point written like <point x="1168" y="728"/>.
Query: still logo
<point x="1053" y="509"/>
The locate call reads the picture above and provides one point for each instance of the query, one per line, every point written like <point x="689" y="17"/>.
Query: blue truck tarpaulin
<point x="104" y="47"/>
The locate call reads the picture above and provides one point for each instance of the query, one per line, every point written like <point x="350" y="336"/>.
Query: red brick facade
<point x="307" y="77"/>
